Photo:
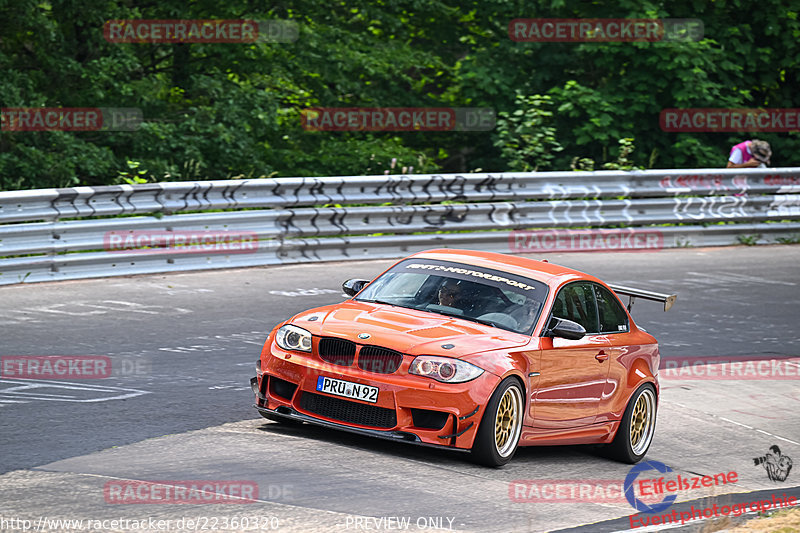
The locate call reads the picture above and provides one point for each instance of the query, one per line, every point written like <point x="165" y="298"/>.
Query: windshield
<point x="478" y="294"/>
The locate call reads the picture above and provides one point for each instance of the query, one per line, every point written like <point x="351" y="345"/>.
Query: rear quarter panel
<point x="635" y="361"/>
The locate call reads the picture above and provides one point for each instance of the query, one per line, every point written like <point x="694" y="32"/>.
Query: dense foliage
<point x="214" y="111"/>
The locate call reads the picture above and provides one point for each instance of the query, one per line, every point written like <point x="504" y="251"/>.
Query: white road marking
<point x="30" y="389"/>
<point x="740" y="424"/>
<point x="17" y="394"/>
<point x="44" y="313"/>
<point x="735" y="422"/>
<point x="787" y="440"/>
<point x="226" y="387"/>
<point x="212" y="343"/>
<point x="710" y="280"/>
<point x="56" y="309"/>
<point x="724" y="278"/>
<point x="170" y="288"/>
<point x="138" y="308"/>
<point x="305" y="292"/>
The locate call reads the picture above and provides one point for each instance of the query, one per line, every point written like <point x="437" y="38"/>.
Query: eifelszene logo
<point x="775" y="463"/>
<point x="638" y="504"/>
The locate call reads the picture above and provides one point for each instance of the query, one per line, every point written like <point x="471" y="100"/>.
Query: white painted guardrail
<point x="53" y="234"/>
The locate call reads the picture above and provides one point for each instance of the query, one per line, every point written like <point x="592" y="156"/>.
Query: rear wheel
<point x="638" y="425"/>
<point x="501" y="425"/>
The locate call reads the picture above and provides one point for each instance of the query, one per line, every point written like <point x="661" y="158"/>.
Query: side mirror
<point x="351" y="287"/>
<point x="566" y="329"/>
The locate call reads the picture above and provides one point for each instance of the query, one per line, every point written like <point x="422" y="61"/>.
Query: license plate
<point x="347" y="389"/>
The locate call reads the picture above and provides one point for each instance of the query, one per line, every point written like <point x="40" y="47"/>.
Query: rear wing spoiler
<point x="667" y="299"/>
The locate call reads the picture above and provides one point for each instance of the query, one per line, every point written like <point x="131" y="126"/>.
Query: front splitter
<point x="395" y="436"/>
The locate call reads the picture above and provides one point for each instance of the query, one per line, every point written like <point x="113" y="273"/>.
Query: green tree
<point x="217" y="110"/>
<point x="526" y="139"/>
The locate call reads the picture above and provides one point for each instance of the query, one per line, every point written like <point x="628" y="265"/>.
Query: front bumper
<point x="409" y="408"/>
<point x="396" y="436"/>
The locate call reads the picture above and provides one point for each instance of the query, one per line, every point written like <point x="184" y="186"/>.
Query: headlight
<point x="444" y="369"/>
<point x="293" y="338"/>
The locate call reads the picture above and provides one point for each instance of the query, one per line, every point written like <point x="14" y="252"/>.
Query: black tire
<point x="631" y="446"/>
<point x="281" y="420"/>
<point x="498" y="434"/>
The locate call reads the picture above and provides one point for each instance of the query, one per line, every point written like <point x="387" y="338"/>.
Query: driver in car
<point x="450" y="293"/>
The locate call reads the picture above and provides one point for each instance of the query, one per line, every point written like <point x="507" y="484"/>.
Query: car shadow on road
<point x="530" y="456"/>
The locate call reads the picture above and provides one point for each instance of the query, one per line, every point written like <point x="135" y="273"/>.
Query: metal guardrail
<point x="53" y="234"/>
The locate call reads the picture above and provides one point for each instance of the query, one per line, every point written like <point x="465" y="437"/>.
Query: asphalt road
<point x="183" y="348"/>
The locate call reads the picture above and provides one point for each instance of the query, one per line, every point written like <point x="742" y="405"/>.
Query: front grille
<point x="337" y="351"/>
<point x="379" y="360"/>
<point x="346" y="411"/>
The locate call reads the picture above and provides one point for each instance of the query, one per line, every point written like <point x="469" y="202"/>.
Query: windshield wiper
<point x="379" y="301"/>
<point x="487" y="322"/>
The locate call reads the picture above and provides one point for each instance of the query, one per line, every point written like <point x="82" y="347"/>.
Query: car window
<point x="576" y="302"/>
<point x="514" y="297"/>
<point x="403" y="286"/>
<point x="484" y="295"/>
<point x="613" y="318"/>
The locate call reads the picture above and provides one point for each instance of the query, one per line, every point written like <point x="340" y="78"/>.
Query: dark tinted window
<point x="502" y="299"/>
<point x="576" y="302"/>
<point x="613" y="318"/>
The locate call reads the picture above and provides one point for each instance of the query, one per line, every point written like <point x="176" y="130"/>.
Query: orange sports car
<point x="471" y="351"/>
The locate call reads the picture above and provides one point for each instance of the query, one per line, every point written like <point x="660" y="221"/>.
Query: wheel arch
<point x="632" y="390"/>
<point x="484" y="449"/>
<point x="638" y="374"/>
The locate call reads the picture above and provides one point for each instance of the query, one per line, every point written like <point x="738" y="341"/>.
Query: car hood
<point x="406" y="330"/>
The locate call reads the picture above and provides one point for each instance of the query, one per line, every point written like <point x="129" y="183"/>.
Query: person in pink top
<point x="750" y="154"/>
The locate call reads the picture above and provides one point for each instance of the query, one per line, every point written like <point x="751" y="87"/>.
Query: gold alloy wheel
<point x="642" y="422"/>
<point x="508" y="421"/>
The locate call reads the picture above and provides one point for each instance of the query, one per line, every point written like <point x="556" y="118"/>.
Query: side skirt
<point x="601" y="433"/>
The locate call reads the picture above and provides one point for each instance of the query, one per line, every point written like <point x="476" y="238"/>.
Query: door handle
<point x="602" y="356"/>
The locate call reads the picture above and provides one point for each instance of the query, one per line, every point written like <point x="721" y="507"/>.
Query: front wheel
<point x="501" y="425"/>
<point x="638" y="425"/>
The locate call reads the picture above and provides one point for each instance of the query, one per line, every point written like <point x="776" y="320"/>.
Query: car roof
<point x="539" y="270"/>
